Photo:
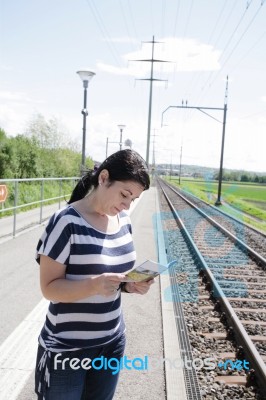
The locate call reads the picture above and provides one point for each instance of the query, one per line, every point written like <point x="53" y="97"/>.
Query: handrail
<point x="41" y="201"/>
<point x="38" y="179"/>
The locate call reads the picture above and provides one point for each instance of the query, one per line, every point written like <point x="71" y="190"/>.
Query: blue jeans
<point x="72" y="379"/>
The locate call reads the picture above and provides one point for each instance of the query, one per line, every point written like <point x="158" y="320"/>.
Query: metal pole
<point x="121" y="128"/>
<point x="218" y="201"/>
<point x="150" y="106"/>
<point x="15" y="208"/>
<point x="180" y="165"/>
<point x="106" y="149"/>
<point x="120" y="143"/>
<point x="41" y="206"/>
<point x="84" y="112"/>
<point x="60" y="192"/>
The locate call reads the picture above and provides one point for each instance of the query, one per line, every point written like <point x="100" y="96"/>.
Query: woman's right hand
<point x="107" y="283"/>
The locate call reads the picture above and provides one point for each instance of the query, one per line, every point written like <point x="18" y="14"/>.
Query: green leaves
<point x="44" y="150"/>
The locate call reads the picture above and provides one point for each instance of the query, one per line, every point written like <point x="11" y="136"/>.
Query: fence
<point x="32" y="194"/>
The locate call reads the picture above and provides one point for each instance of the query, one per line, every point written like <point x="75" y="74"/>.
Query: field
<point x="245" y="201"/>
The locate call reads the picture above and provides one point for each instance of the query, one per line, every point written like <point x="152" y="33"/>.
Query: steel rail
<point x="239" y="331"/>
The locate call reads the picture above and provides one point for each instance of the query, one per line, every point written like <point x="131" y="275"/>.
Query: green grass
<point x="245" y="201"/>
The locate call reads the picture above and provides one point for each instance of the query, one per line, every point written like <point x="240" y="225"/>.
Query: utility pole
<point x="151" y="79"/>
<point x="153" y="147"/>
<point x="153" y="169"/>
<point x="202" y="109"/>
<point x="180" y="165"/>
<point x="218" y="201"/>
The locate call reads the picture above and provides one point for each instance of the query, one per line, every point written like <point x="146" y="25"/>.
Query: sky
<point x="43" y="43"/>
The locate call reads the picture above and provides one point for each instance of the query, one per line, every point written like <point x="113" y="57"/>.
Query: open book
<point x="145" y="271"/>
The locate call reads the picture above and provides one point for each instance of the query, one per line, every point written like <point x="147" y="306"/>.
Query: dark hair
<point x="124" y="165"/>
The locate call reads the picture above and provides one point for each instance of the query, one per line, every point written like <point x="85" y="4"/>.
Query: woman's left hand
<point x="139" y="287"/>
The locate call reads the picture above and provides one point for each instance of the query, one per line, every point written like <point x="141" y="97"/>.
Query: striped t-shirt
<point x="96" y="320"/>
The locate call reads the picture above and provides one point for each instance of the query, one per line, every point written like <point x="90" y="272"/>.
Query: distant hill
<point x="203" y="172"/>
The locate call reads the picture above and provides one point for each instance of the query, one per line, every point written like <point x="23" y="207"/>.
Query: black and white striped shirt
<point x="96" y="320"/>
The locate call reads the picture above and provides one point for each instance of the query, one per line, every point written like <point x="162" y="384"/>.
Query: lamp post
<point x="121" y="127"/>
<point x="85" y="76"/>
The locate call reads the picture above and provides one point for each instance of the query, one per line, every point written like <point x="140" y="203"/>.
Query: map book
<point x="145" y="271"/>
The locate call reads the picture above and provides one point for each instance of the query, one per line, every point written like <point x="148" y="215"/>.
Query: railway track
<point x="219" y="292"/>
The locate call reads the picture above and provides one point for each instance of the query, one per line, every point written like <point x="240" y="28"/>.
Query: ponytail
<point x="83" y="186"/>
<point x="124" y="165"/>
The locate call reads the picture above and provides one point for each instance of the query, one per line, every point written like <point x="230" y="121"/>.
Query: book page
<point x="145" y="271"/>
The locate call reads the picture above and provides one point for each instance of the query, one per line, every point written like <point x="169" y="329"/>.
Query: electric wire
<point x="133" y="22"/>
<point x="196" y="78"/>
<point x="163" y="17"/>
<point x="174" y="36"/>
<point x="210" y="75"/>
<point x="188" y="18"/>
<point x="176" y="18"/>
<point x="152" y="16"/>
<point x="226" y="22"/>
<point x="237" y="43"/>
<point x="232" y="51"/>
<point x="217" y="22"/>
<point x="248" y="52"/>
<point x="126" y="25"/>
<point x="236" y="28"/>
<point x="103" y="29"/>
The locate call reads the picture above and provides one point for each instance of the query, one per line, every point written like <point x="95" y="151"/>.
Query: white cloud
<point x="13" y="119"/>
<point x="15" y="96"/>
<point x="183" y="55"/>
<point x="112" y="69"/>
<point x="4" y="68"/>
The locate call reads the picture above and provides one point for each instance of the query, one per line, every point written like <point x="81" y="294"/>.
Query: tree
<point x="6" y="156"/>
<point x="244" y="178"/>
<point x="25" y="153"/>
<point x="44" y="151"/>
<point x="50" y="134"/>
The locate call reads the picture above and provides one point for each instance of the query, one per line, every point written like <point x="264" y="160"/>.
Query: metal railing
<point x="35" y="197"/>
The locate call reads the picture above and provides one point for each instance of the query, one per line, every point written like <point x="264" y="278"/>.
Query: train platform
<point x="152" y="338"/>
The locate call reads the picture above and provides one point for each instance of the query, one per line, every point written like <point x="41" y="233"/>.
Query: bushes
<point x="27" y="157"/>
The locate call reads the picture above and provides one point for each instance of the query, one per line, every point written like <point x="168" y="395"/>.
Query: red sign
<point x="3" y="193"/>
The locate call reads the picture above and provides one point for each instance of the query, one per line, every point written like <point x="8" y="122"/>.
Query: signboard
<point x="3" y="193"/>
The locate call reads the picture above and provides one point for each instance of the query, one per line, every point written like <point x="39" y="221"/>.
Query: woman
<point x="83" y="255"/>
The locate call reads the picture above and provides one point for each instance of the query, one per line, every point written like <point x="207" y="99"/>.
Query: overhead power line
<point x="103" y="29"/>
<point x="209" y="81"/>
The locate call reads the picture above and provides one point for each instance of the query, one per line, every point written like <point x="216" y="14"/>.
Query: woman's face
<point x="119" y="195"/>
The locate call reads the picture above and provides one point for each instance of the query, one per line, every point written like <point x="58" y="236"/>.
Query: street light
<point x="121" y="127"/>
<point x="85" y="76"/>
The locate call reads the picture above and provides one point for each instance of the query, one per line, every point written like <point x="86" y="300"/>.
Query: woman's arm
<point x="56" y="287"/>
